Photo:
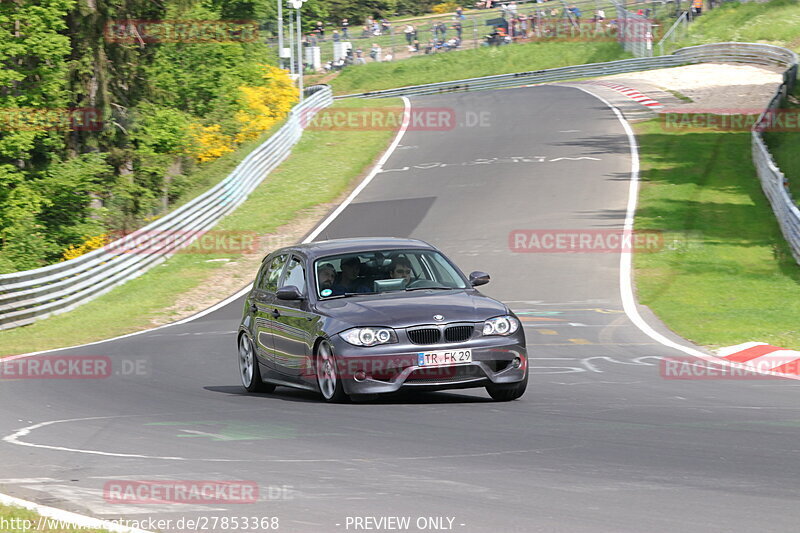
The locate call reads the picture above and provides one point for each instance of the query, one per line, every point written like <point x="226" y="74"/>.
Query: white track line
<point x="626" y="259"/>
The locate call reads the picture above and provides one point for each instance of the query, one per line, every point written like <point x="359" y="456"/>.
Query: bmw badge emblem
<point x="438" y="317"/>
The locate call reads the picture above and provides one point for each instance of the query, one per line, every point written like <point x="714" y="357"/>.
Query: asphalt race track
<point x="601" y="442"/>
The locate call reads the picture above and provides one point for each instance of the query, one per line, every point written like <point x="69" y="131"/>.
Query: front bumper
<point x="388" y="368"/>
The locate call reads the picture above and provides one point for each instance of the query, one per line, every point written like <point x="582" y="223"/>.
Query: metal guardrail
<point x="773" y="182"/>
<point x="34" y="294"/>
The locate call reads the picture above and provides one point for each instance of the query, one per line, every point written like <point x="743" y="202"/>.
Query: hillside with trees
<point x="103" y="130"/>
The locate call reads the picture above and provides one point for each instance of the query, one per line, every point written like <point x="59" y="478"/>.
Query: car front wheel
<point x="328" y="378"/>
<point x="507" y="393"/>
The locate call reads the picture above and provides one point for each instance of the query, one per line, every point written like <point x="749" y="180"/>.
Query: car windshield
<point x="385" y="271"/>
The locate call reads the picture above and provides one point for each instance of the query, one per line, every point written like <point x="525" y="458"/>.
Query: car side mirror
<point x="289" y="292"/>
<point x="478" y="278"/>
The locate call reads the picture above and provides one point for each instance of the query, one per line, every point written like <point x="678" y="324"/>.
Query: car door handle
<point x="276" y="313"/>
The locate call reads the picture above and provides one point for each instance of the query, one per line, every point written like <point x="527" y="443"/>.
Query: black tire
<point x="507" y="393"/>
<point x="327" y="373"/>
<point x="249" y="371"/>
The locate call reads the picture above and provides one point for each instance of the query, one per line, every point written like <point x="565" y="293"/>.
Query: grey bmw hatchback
<point x="370" y="316"/>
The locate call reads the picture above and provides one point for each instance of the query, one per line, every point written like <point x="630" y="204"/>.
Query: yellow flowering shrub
<point x="91" y="243"/>
<point x="264" y="105"/>
<point x="444" y="7"/>
<point x="260" y="107"/>
<point x="209" y="143"/>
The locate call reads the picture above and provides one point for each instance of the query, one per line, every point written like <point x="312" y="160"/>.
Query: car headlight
<point x="369" y="336"/>
<point x="501" y="325"/>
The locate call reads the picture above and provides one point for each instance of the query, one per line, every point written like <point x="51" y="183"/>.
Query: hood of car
<point x="405" y="309"/>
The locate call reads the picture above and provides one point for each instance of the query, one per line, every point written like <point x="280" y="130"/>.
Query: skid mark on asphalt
<point x="577" y="365"/>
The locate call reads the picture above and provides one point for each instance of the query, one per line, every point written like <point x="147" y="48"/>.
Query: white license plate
<point x="444" y="358"/>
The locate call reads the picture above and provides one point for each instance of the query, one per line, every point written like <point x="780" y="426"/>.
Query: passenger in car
<point x="326" y="274"/>
<point x="349" y="277"/>
<point x="401" y="268"/>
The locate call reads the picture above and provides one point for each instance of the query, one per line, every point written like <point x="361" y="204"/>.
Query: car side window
<point x="269" y="281"/>
<point x="295" y="275"/>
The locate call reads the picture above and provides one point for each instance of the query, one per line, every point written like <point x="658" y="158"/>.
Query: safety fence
<point x="34" y="294"/>
<point x="521" y="22"/>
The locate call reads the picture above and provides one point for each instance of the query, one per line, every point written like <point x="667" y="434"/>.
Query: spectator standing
<point x="360" y="57"/>
<point x="345" y="29"/>
<point x="460" y="13"/>
<point x="375" y="52"/>
<point x="576" y="13"/>
<point x="336" y="36"/>
<point x="409" y="33"/>
<point x="320" y="28"/>
<point x="523" y="25"/>
<point x="457" y="26"/>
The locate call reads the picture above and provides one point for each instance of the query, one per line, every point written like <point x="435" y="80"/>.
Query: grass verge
<point x="323" y="165"/>
<point x="24" y="520"/>
<point x="726" y="275"/>
<point x="484" y="61"/>
<point x="776" y="22"/>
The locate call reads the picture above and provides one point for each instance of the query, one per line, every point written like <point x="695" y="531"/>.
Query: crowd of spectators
<point x="537" y="19"/>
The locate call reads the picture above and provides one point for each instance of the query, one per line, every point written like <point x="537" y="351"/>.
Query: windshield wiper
<point x="430" y="289"/>
<point x="345" y="295"/>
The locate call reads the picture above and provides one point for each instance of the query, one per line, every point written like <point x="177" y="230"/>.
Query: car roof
<point x="357" y="244"/>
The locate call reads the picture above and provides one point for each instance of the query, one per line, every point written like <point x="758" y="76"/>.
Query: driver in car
<point x="400" y="268"/>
